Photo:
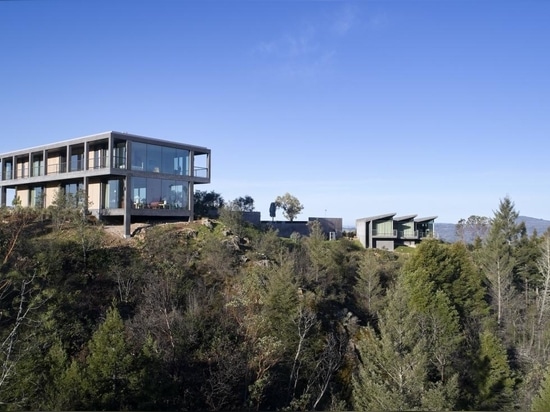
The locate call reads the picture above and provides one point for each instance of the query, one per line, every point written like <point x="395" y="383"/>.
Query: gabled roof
<point x="406" y="217"/>
<point x="425" y="219"/>
<point x="379" y="217"/>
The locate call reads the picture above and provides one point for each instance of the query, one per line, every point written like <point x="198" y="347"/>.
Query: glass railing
<point x="201" y="172"/>
<point x="411" y="234"/>
<point x="427" y="233"/>
<point x="94" y="163"/>
<point x="384" y="233"/>
<point x="77" y="165"/>
<point x="120" y="162"/>
<point x="56" y="168"/>
<point x="22" y="172"/>
<point x="38" y="171"/>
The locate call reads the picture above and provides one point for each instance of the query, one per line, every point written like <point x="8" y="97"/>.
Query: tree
<point x="451" y="269"/>
<point x="494" y="380"/>
<point x="368" y="289"/>
<point x="291" y="206"/>
<point x="110" y="373"/>
<point x="473" y="228"/>
<point x="393" y="369"/>
<point x="541" y="403"/>
<point x="243" y="204"/>
<point x="497" y="260"/>
<point x="207" y="202"/>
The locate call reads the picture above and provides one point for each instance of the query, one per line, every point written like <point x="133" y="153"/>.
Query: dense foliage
<point x="216" y="315"/>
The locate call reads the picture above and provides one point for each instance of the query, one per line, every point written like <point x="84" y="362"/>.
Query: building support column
<point x="127" y="207"/>
<point x="191" y="193"/>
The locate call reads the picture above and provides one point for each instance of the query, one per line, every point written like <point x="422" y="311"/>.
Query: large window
<point x="8" y="169"/>
<point x="139" y="156"/>
<point x="37" y="196"/>
<point x="139" y="192"/>
<point x="37" y="165"/>
<point x="119" y="155"/>
<point x="74" y="194"/>
<point x="77" y="160"/>
<point x="151" y="192"/>
<point x="154" y="158"/>
<point x="160" y="159"/>
<point x="113" y="194"/>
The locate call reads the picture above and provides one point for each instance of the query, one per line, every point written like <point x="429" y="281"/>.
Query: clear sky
<point x="357" y="108"/>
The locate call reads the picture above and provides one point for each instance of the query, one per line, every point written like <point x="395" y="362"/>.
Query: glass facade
<point x="160" y="159"/>
<point x="77" y="160"/>
<point x="119" y="154"/>
<point x="37" y="165"/>
<point x="165" y="193"/>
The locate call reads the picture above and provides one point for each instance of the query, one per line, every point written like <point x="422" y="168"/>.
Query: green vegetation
<point x="218" y="315"/>
<point x="290" y="205"/>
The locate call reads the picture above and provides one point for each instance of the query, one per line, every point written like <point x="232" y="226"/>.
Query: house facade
<point x="122" y="175"/>
<point x="388" y="231"/>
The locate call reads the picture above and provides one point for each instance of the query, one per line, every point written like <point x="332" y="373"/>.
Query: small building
<point x="388" y="231"/>
<point x="331" y="226"/>
<point x="122" y="175"/>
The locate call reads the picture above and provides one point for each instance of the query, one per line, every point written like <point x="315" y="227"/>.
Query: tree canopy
<point x="290" y="205"/>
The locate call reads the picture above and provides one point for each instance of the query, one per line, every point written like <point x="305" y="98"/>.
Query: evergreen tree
<point x="110" y="375"/>
<point x="498" y="264"/>
<point x="393" y="373"/>
<point x="541" y="402"/>
<point x="494" y="380"/>
<point x="451" y="269"/>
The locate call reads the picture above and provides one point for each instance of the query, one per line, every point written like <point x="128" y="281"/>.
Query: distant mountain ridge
<point x="447" y="231"/>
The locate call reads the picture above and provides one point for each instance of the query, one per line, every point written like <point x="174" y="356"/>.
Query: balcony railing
<point x="56" y="168"/>
<point x="384" y="233"/>
<point x="408" y="234"/>
<point x="22" y="172"/>
<point x="38" y="170"/>
<point x="427" y="233"/>
<point x="201" y="172"/>
<point x="97" y="163"/>
<point x="77" y="165"/>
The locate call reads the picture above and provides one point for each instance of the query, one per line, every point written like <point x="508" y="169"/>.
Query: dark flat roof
<point x="104" y="135"/>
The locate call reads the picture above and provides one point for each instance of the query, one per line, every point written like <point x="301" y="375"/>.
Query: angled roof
<point x="406" y="217"/>
<point x="379" y="217"/>
<point x="425" y="219"/>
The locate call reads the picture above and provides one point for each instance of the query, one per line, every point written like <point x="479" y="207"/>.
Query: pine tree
<point x="498" y="263"/>
<point x="495" y="381"/>
<point x="109" y="376"/>
<point x="394" y="366"/>
<point x="541" y="402"/>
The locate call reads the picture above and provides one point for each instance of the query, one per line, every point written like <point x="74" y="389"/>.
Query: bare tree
<point x="13" y="346"/>
<point x="543" y="265"/>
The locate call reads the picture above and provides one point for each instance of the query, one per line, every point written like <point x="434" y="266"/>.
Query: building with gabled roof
<point x="388" y="231"/>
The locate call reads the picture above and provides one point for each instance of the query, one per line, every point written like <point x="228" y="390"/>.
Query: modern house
<point x="124" y="176"/>
<point x="388" y="231"/>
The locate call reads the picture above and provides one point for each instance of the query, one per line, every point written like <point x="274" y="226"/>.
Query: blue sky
<point x="357" y="108"/>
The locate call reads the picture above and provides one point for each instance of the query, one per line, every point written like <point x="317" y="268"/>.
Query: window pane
<point x="139" y="156"/>
<point x="139" y="191"/>
<point x="154" y="158"/>
<point x="168" y="155"/>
